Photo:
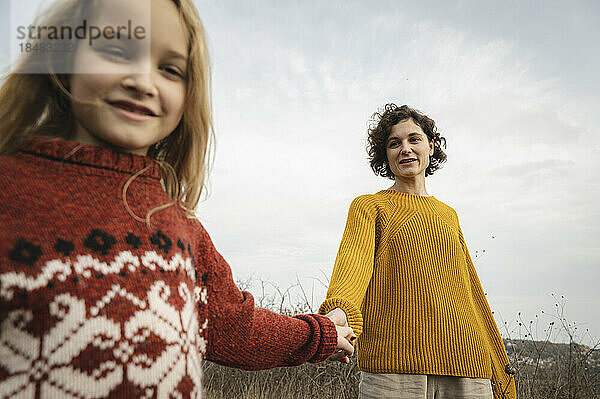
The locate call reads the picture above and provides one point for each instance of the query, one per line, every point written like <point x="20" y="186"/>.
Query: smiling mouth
<point x="132" y="108"/>
<point x="405" y="161"/>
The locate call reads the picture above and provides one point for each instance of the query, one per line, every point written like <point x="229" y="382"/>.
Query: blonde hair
<point x="38" y="104"/>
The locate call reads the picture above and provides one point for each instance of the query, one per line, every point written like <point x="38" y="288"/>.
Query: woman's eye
<point x="415" y="139"/>
<point x="393" y="144"/>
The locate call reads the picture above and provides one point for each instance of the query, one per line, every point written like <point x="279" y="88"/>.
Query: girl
<point x="109" y="287"/>
<point x="404" y="278"/>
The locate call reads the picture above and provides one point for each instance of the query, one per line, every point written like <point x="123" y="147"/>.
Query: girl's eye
<point x="393" y="144"/>
<point x="415" y="139"/>
<point x="175" y="72"/>
<point x="116" y="53"/>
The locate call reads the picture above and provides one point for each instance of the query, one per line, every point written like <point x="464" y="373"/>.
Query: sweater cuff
<point x="328" y="341"/>
<point x="355" y="319"/>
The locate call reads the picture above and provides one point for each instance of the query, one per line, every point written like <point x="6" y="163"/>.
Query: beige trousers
<point x="422" y="386"/>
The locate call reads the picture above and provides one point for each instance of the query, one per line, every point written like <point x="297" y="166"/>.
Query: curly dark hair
<point x="380" y="127"/>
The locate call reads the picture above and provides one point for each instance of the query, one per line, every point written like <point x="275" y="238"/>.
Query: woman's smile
<point x="409" y="161"/>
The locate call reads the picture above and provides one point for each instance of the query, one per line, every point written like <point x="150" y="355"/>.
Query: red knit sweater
<point x="95" y="304"/>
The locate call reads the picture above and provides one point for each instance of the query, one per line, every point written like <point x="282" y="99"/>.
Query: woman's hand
<point x="346" y="337"/>
<point x="338" y="317"/>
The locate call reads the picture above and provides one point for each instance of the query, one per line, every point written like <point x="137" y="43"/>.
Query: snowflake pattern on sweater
<point x="48" y="362"/>
<point x="94" y="304"/>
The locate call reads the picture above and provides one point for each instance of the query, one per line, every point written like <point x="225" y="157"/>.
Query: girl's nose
<point x="142" y="83"/>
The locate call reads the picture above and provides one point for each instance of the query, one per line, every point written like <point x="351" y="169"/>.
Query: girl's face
<point x="137" y="96"/>
<point x="408" y="150"/>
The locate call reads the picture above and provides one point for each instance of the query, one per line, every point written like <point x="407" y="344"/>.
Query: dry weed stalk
<point x="553" y="370"/>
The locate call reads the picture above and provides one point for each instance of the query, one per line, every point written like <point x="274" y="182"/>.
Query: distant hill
<point x="546" y="354"/>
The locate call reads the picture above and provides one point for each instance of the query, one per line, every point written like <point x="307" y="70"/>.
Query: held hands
<point x="346" y="337"/>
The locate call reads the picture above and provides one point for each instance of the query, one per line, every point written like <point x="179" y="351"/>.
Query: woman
<point x="404" y="281"/>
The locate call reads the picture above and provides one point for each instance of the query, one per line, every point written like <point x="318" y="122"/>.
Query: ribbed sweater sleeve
<point x="503" y="384"/>
<point x="353" y="266"/>
<point x="244" y="336"/>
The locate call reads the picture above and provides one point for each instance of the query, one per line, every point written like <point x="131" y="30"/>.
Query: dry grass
<point x="323" y="380"/>
<point x="544" y="369"/>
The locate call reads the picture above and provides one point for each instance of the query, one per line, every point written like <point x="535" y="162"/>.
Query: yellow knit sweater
<point x="405" y="279"/>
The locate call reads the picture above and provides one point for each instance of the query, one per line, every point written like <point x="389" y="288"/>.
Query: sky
<point x="513" y="87"/>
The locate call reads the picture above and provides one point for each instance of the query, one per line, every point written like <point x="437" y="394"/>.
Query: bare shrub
<point x="546" y="369"/>
<point x="543" y="369"/>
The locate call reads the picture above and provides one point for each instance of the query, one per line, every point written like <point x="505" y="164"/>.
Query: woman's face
<point x="408" y="150"/>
